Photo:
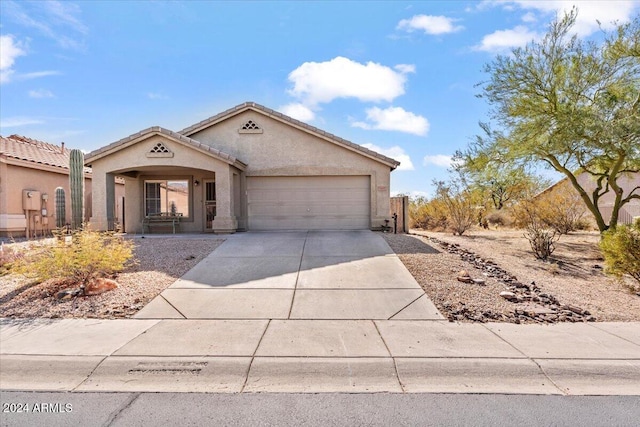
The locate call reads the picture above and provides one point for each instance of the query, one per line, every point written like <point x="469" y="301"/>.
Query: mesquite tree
<point x="571" y="105"/>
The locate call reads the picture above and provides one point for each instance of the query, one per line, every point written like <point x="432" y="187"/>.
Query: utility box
<point x="30" y="200"/>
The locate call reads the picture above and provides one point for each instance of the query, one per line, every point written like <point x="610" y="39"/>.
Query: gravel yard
<point x="573" y="280"/>
<point x="574" y="277"/>
<point x="161" y="261"/>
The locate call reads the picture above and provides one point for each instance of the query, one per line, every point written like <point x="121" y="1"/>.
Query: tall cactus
<point x="76" y="184"/>
<point x="61" y="208"/>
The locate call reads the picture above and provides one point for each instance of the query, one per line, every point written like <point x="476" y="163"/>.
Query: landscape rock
<point x="99" y="286"/>
<point x="67" y="294"/>
<point x="508" y="295"/>
<point x="464" y="277"/>
<point x="546" y="308"/>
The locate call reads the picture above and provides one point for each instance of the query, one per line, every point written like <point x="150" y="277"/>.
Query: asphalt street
<point x="330" y="409"/>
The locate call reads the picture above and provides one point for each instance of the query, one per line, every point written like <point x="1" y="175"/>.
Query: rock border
<point x="532" y="304"/>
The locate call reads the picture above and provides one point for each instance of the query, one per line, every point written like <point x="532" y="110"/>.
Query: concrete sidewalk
<point x="319" y="356"/>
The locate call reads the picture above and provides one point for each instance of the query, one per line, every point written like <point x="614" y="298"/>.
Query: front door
<point x="209" y="204"/>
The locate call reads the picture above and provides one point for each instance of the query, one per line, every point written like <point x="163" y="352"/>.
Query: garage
<point x="309" y="202"/>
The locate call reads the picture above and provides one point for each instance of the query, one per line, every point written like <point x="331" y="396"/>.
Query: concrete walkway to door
<point x="312" y="275"/>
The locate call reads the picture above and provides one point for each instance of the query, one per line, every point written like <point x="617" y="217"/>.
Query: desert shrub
<point x="462" y="213"/>
<point x="541" y="237"/>
<point x="542" y="240"/>
<point x="461" y="205"/>
<point x="562" y="210"/>
<point x="621" y="250"/>
<point x="499" y="219"/>
<point x="428" y="214"/>
<point x="88" y="255"/>
<point x="8" y="257"/>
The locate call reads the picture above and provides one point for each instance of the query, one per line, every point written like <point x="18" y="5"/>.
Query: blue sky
<point x="397" y="77"/>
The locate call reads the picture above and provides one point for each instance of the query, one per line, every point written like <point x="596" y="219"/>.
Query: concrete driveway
<point x="329" y="275"/>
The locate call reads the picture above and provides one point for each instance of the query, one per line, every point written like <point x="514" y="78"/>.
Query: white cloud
<point x="13" y="122"/>
<point x="589" y="12"/>
<point x="506" y="39"/>
<point x="413" y="194"/>
<point x="67" y="14"/>
<point x="298" y="111"/>
<point x="440" y="160"/>
<point x="40" y="93"/>
<point x="58" y="20"/>
<point x="395" y="119"/>
<point x="37" y="74"/>
<point x="396" y="152"/>
<point x="529" y="17"/>
<point x="322" y="82"/>
<point x="430" y="24"/>
<point x="406" y="68"/>
<point x="156" y="95"/>
<point x="10" y="49"/>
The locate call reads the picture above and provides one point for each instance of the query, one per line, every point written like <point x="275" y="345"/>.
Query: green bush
<point x="621" y="250"/>
<point x="88" y="255"/>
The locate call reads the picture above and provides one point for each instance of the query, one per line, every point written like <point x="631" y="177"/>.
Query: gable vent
<point x="250" y="127"/>
<point x="160" y="150"/>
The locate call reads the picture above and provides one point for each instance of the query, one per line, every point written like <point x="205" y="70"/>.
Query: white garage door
<point x="309" y="203"/>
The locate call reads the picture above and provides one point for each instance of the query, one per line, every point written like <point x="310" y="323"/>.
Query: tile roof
<point x="276" y="114"/>
<point x="32" y="150"/>
<point x="35" y="151"/>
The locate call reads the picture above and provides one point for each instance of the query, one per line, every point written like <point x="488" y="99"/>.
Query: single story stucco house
<point x="247" y="168"/>
<point x="29" y="167"/>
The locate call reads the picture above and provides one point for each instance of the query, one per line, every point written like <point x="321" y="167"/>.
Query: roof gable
<point x="169" y="134"/>
<point x="238" y="109"/>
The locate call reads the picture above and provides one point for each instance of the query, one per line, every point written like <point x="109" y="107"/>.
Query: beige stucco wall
<point x="14" y="179"/>
<point x="283" y="150"/>
<point x="627" y="182"/>
<point x="186" y="163"/>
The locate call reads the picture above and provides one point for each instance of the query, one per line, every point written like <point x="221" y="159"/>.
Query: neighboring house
<point x="248" y="168"/>
<point x="628" y="182"/>
<point x="36" y="168"/>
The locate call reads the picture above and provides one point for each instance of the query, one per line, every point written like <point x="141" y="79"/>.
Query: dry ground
<point x="574" y="276"/>
<point x="161" y="261"/>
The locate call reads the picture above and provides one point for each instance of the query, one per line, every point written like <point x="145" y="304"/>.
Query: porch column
<point x="225" y="221"/>
<point x="99" y="185"/>
<point x="110" y="195"/>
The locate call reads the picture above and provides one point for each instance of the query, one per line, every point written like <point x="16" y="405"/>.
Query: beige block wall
<point x="14" y="179"/>
<point x="282" y="150"/>
<point x="186" y="163"/>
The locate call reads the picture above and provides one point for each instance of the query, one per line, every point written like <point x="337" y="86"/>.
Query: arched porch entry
<point x="167" y="177"/>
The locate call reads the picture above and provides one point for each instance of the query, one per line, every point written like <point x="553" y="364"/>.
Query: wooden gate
<point x="400" y="206"/>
